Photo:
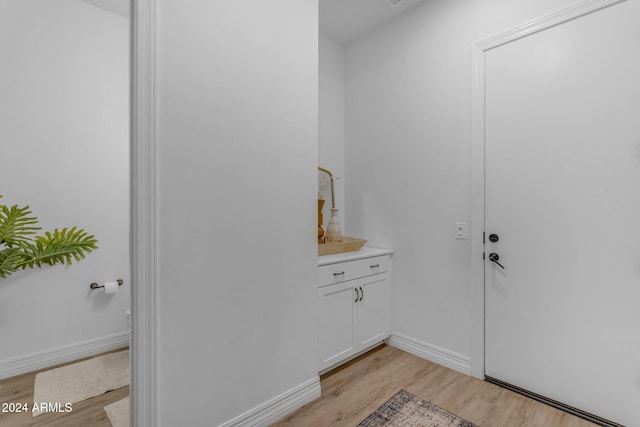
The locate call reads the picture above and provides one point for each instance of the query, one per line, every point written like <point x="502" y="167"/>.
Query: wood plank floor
<point x="88" y="413"/>
<point x="353" y="391"/>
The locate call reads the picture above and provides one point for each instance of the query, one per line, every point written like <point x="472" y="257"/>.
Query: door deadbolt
<point x="493" y="237"/>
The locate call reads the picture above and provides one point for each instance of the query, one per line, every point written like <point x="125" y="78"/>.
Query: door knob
<point x="494" y="257"/>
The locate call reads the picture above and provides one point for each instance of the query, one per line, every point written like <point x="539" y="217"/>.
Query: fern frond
<point x="16" y="225"/>
<point x="8" y="260"/>
<point x="57" y="247"/>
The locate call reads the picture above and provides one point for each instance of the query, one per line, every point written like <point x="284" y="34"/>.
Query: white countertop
<point x="364" y="252"/>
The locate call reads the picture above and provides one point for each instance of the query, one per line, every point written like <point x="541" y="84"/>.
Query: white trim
<point x="477" y="214"/>
<point x="67" y="353"/>
<point x="439" y="355"/>
<point x="278" y="407"/>
<point x="477" y="156"/>
<point x="541" y="24"/>
<point x="143" y="190"/>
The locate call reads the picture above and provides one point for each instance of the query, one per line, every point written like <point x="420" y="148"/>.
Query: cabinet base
<point x="349" y="359"/>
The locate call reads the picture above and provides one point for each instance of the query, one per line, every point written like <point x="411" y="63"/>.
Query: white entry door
<point x="562" y="196"/>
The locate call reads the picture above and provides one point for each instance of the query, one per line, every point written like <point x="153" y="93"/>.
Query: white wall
<point x="238" y="150"/>
<point x="408" y="155"/>
<point x="331" y="121"/>
<point x="64" y="123"/>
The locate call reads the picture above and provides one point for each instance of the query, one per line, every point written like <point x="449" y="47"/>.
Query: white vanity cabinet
<point x="353" y="291"/>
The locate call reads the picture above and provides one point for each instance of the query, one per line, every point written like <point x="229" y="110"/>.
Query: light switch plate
<point x="461" y="230"/>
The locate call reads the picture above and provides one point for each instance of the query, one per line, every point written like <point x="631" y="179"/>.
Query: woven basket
<point x="347" y="244"/>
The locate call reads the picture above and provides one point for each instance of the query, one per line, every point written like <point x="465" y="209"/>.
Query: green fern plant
<point x="20" y="248"/>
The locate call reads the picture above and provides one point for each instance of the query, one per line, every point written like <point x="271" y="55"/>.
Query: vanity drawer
<point x="349" y="270"/>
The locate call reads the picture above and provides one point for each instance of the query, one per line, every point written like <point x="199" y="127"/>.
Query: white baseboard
<point x="433" y="353"/>
<point x="55" y="356"/>
<point x="278" y="407"/>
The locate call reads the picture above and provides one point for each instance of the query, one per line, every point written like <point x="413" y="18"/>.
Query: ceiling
<point x="119" y="7"/>
<point x="347" y="20"/>
<point x="341" y="20"/>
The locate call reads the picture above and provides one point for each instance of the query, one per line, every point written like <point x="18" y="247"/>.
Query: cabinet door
<point x="336" y="323"/>
<point x="372" y="311"/>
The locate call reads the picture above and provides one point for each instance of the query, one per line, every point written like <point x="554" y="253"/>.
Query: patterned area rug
<point x="80" y="381"/>
<point x="118" y="413"/>
<point x="406" y="410"/>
